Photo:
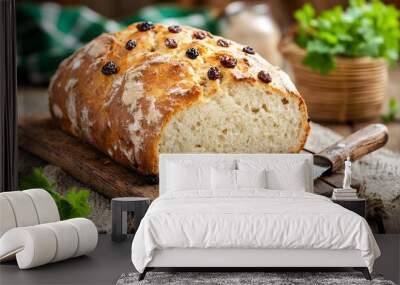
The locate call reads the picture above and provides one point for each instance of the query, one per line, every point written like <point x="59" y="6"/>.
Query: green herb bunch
<point x="394" y="108"/>
<point x="75" y="202"/>
<point x="369" y="29"/>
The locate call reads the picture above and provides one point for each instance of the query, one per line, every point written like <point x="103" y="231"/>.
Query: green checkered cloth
<point x="47" y="33"/>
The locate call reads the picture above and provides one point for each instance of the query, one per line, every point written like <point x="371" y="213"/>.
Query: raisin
<point x="171" y="43"/>
<point x="249" y="50"/>
<point x="145" y="26"/>
<point x="174" y="29"/>
<point x="130" y="45"/>
<point x="199" y="35"/>
<point x="264" y="76"/>
<point x="284" y="101"/>
<point x="214" y="73"/>
<point x="192" y="53"/>
<point x="222" y="43"/>
<point x="109" y="68"/>
<point x="228" y="61"/>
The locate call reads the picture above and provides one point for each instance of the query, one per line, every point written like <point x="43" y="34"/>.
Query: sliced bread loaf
<point x="153" y="89"/>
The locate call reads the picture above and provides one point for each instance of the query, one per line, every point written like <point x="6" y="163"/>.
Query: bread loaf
<point x="153" y="89"/>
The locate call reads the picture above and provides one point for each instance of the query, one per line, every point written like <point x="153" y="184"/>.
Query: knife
<point x="355" y="146"/>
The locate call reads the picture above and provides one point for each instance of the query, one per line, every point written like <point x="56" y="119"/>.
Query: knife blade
<point x="355" y="146"/>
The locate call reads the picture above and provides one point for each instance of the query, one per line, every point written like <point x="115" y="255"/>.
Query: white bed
<point x="248" y="227"/>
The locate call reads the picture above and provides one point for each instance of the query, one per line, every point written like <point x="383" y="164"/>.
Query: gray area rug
<point x="270" y="278"/>
<point x="379" y="173"/>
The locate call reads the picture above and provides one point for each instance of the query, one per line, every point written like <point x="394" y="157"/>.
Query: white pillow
<point x="292" y="178"/>
<point x="251" y="178"/>
<point x="183" y="177"/>
<point x="284" y="172"/>
<point x="224" y="179"/>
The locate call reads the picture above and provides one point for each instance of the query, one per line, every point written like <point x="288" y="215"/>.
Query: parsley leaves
<point x="75" y="202"/>
<point x="365" y="28"/>
<point x="394" y="107"/>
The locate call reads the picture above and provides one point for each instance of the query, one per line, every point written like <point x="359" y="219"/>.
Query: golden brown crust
<point x="124" y="114"/>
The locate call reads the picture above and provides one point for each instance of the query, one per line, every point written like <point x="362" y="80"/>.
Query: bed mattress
<point x="250" y="219"/>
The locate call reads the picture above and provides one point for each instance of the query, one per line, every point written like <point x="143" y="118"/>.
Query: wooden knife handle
<point x="356" y="145"/>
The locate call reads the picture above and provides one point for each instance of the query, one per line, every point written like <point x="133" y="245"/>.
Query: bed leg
<point x="364" y="271"/>
<point x="143" y="274"/>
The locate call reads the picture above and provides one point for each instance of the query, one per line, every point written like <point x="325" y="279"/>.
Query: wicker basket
<point x="354" y="91"/>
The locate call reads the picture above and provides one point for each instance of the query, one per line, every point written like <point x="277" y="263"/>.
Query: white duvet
<point x="251" y="218"/>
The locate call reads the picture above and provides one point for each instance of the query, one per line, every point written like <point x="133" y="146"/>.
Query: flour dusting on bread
<point x="71" y="111"/>
<point x="70" y="84"/>
<point x="177" y="90"/>
<point x="153" y="114"/>
<point x="86" y="123"/>
<point x="142" y="92"/>
<point x="133" y="90"/>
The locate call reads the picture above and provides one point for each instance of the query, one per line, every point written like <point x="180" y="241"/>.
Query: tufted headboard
<point x="231" y="161"/>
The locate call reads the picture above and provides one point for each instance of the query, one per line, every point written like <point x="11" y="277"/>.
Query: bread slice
<point x="175" y="90"/>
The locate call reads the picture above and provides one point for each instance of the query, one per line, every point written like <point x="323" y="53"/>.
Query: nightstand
<point x="356" y="205"/>
<point x="119" y="211"/>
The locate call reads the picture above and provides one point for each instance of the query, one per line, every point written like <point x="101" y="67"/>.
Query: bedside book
<point x="344" y="194"/>
<point x="340" y="190"/>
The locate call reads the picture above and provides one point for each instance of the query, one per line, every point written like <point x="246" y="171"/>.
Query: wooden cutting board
<point x="44" y="139"/>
